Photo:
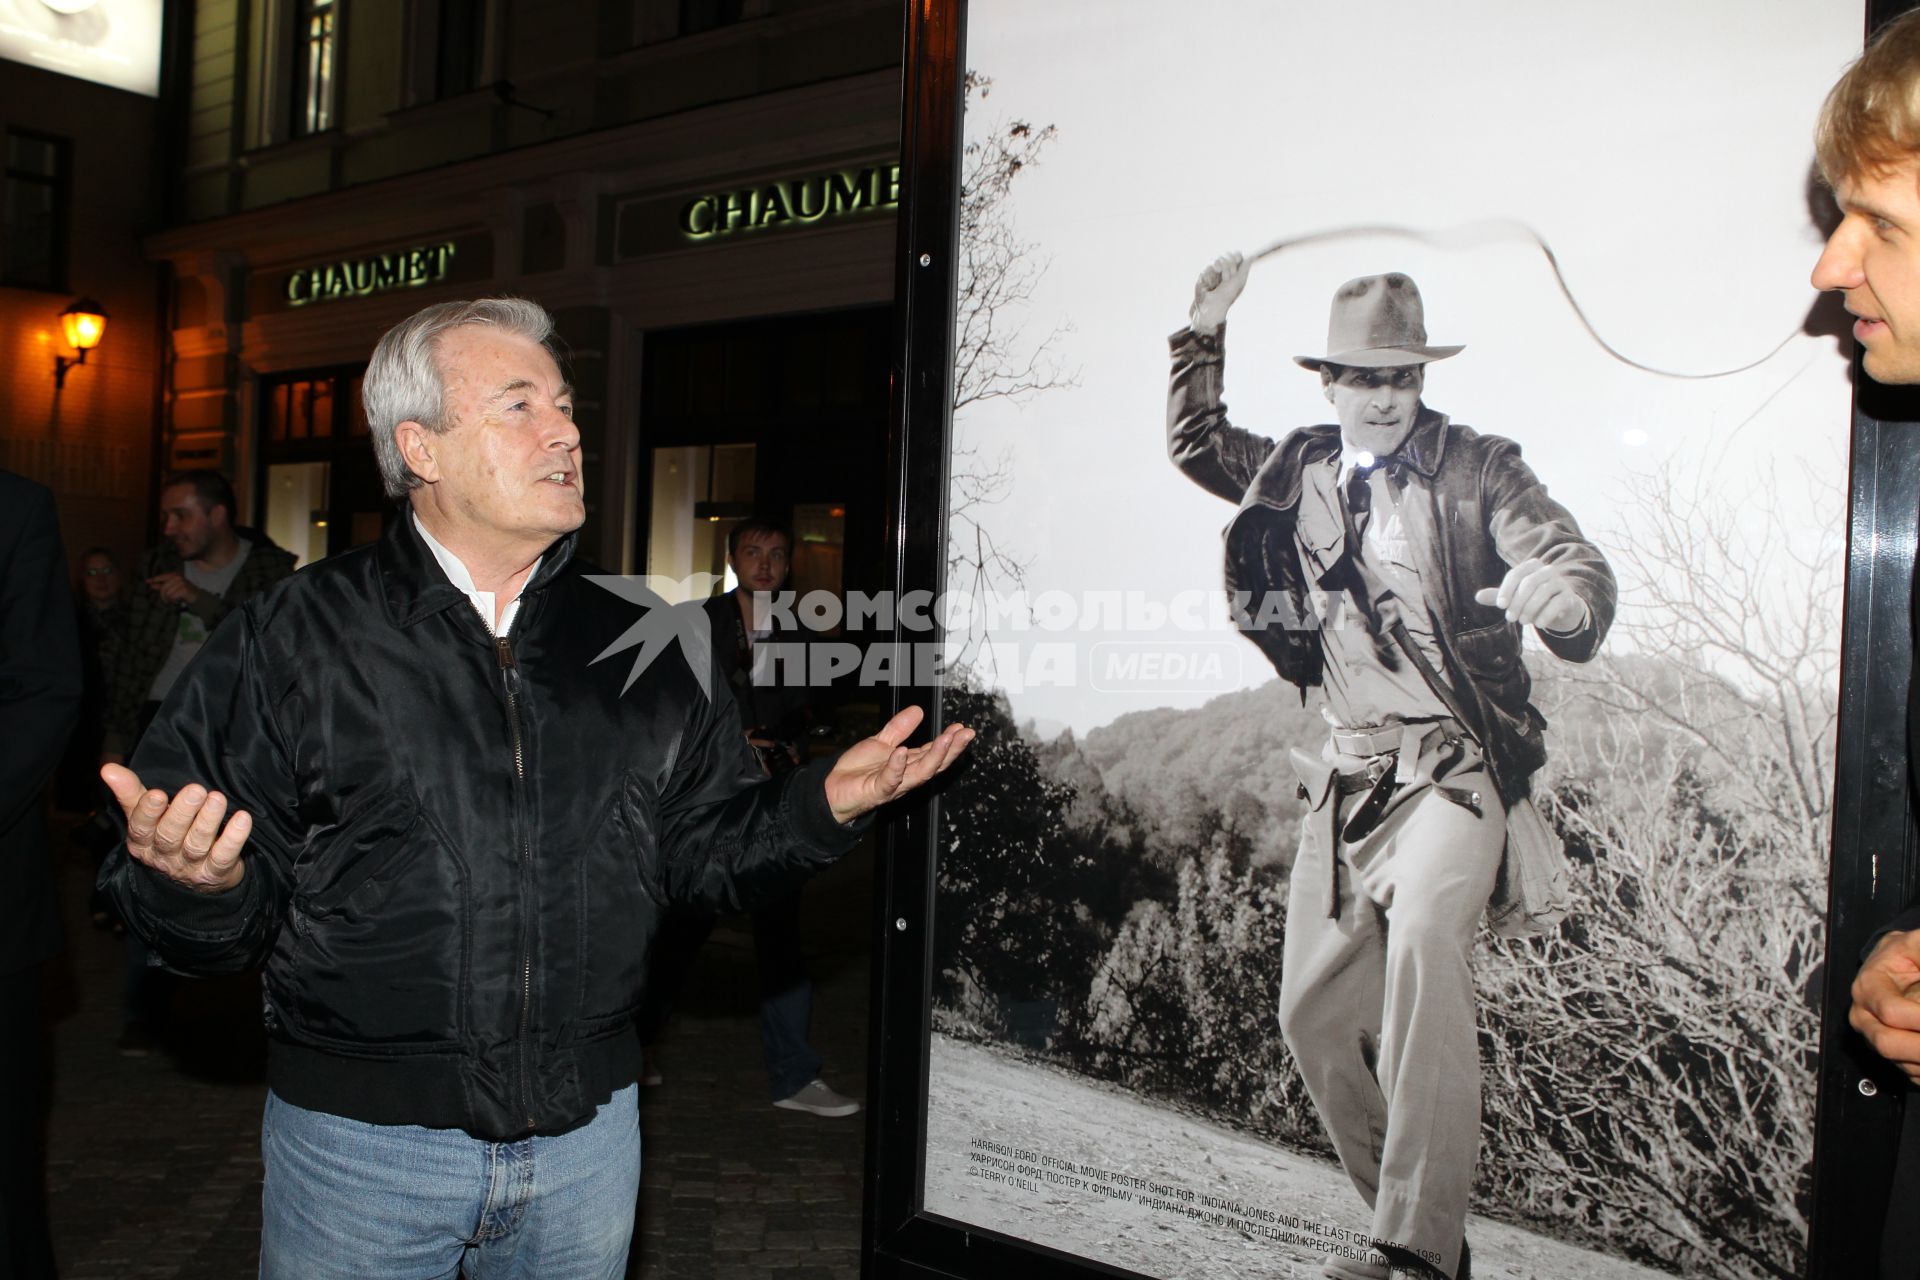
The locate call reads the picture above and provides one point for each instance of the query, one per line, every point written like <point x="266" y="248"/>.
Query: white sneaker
<point x="820" y="1100"/>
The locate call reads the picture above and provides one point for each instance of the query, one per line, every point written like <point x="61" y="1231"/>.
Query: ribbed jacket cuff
<point x="1206" y="346"/>
<point x="812" y="816"/>
<point x="190" y="913"/>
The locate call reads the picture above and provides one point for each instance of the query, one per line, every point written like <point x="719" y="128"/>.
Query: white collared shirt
<point x="458" y="575"/>
<point x="1352" y="459"/>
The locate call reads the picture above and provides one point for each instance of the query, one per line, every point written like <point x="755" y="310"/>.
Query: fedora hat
<point x="1377" y="322"/>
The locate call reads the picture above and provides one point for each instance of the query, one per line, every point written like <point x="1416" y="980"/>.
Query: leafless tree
<point x="995" y="356"/>
<point x="1733" y="632"/>
<point x="1649" y="1065"/>
<point x="1653" y="1060"/>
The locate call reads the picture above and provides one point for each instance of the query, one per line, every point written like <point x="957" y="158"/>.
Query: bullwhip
<point x="1488" y="231"/>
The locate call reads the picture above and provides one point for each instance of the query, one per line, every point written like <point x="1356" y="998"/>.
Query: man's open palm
<point x="880" y="768"/>
<point x="189" y="839"/>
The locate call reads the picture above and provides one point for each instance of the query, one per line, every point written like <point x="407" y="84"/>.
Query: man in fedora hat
<point x="1393" y="559"/>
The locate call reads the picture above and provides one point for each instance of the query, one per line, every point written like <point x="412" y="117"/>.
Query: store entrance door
<point x="782" y="419"/>
<point x="321" y="483"/>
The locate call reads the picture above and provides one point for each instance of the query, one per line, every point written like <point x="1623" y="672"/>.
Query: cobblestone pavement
<point x="154" y="1162"/>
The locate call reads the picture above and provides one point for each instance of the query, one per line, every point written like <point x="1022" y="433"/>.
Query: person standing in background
<point x="100" y="614"/>
<point x="775" y="716"/>
<point x="100" y="617"/>
<point x="204" y="567"/>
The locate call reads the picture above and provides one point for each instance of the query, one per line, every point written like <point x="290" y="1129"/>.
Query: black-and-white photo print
<point x="1395" y="543"/>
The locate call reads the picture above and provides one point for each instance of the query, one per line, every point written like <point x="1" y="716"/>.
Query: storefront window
<point x="792" y="411"/>
<point x="356" y="407"/>
<point x="699" y="493"/>
<point x="819" y="548"/>
<point x="322" y="486"/>
<point x="300" y="410"/>
<point x="297" y="515"/>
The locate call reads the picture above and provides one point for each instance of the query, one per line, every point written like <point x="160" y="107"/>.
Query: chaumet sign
<point x="795" y="201"/>
<point x="376" y="273"/>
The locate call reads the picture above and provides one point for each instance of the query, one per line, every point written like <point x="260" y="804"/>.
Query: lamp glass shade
<point x="83" y="323"/>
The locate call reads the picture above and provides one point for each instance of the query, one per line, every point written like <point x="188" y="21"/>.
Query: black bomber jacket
<point x="461" y="845"/>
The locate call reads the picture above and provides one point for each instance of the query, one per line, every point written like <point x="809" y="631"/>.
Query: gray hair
<point x="404" y="383"/>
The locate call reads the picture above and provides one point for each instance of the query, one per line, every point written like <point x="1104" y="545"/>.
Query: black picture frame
<point x="1875" y="855"/>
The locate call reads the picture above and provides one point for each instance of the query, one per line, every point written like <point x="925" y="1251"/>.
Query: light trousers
<point x="1377" y="1002"/>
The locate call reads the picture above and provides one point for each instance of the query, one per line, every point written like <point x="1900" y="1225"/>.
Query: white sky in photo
<point x="1662" y="149"/>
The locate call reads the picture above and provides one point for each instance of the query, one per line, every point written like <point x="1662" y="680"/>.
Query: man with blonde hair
<point x="1868" y="147"/>
<point x="403" y="783"/>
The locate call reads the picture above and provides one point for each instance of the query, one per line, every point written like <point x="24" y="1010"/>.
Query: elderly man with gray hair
<point x="403" y="783"/>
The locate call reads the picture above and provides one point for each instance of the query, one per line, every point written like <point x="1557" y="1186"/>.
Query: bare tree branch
<point x="995" y="357"/>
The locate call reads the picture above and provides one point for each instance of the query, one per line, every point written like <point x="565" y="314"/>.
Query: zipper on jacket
<point x="510" y="677"/>
<point x="510" y="681"/>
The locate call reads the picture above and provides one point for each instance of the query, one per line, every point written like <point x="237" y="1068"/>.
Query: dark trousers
<point x="26" y="1247"/>
<point x="786" y="992"/>
<point x="146" y="991"/>
<point x="1900" y="1245"/>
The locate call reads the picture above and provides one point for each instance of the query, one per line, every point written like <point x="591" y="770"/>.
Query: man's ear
<point x="416" y="445"/>
<point x="1326" y="383"/>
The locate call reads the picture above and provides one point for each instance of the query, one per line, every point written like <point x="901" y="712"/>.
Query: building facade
<point x="702" y="192"/>
<point x="78" y="190"/>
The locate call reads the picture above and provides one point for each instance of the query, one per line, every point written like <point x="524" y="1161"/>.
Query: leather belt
<point x="1347" y="784"/>
<point x="1385" y="739"/>
<point x="1390" y="764"/>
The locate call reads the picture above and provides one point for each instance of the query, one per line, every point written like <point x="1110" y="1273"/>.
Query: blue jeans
<point x="786" y="992"/>
<point x="347" y="1200"/>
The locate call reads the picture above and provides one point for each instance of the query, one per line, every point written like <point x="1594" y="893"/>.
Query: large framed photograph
<point x="1393" y="479"/>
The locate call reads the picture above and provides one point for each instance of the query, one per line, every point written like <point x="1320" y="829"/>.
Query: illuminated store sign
<point x="376" y="273"/>
<point x="793" y="202"/>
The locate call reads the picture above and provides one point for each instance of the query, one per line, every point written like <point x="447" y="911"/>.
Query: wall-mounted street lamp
<point x="83" y="323"/>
